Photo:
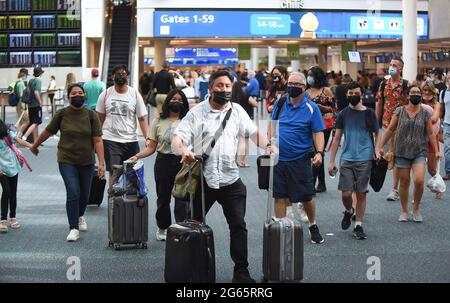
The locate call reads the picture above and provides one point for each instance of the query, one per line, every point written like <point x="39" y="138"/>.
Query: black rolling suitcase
<point x="97" y="190"/>
<point x="190" y="256"/>
<point x="127" y="218"/>
<point x="282" y="245"/>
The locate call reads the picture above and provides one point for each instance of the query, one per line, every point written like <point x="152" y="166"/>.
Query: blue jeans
<point x="447" y="147"/>
<point x="78" y="185"/>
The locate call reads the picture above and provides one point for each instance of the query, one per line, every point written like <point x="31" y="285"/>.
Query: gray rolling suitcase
<point x="282" y="245"/>
<point x="127" y="220"/>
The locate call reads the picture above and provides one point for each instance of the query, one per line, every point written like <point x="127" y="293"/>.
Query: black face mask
<point x="354" y="100"/>
<point x="221" y="97"/>
<point x="415" y="100"/>
<point x="294" y="92"/>
<point x="175" y="107"/>
<point x="276" y="79"/>
<point x="120" y="80"/>
<point x="77" y="101"/>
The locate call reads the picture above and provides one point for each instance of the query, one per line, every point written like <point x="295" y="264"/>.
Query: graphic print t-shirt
<point x="161" y="131"/>
<point x="121" y="110"/>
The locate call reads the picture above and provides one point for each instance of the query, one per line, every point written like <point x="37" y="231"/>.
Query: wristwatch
<point x="321" y="153"/>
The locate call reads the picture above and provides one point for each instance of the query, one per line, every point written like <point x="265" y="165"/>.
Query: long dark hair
<point x="320" y="78"/>
<point x="165" y="108"/>
<point x="3" y="129"/>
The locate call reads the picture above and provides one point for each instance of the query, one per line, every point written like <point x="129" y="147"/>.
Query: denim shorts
<point x="294" y="180"/>
<point x="407" y="163"/>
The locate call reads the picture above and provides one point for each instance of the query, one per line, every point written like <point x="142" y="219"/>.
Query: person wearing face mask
<point x="220" y="171"/>
<point x="390" y="96"/>
<point x="444" y="99"/>
<point x="431" y="103"/>
<point x="293" y="174"/>
<point x="278" y="87"/>
<point x="120" y="109"/>
<point x="167" y="164"/>
<point x="80" y="139"/>
<point x="359" y="125"/>
<point x="413" y="130"/>
<point x="162" y="84"/>
<point x="320" y="94"/>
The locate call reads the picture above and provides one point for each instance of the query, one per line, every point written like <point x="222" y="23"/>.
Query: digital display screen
<point x="249" y="24"/>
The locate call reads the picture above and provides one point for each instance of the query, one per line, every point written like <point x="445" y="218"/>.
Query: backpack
<point x="13" y="98"/>
<point x="61" y="116"/>
<point x="28" y="93"/>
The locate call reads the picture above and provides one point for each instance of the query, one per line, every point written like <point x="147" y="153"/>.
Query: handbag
<point x="390" y="155"/>
<point x="151" y="99"/>
<point x="184" y="184"/>
<point x="378" y="174"/>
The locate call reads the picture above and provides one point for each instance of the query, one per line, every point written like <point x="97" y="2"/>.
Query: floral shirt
<point x="393" y="98"/>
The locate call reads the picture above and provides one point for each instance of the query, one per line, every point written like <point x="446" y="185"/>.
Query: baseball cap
<point x="94" y="72"/>
<point x="37" y="71"/>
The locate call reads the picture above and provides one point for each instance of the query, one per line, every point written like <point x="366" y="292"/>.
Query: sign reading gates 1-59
<point x="248" y="24"/>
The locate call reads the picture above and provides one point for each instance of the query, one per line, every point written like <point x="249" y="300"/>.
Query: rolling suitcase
<point x="282" y="245"/>
<point x="190" y="256"/>
<point x="97" y="190"/>
<point x="127" y="219"/>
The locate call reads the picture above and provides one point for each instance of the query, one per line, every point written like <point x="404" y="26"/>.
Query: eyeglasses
<point x="297" y="84"/>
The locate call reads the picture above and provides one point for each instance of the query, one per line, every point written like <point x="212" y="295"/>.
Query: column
<point x="410" y="39"/>
<point x="255" y="60"/>
<point x="295" y="64"/>
<point x="272" y="58"/>
<point x="160" y="54"/>
<point x="323" y="57"/>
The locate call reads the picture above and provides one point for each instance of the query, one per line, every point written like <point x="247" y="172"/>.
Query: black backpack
<point x="13" y="98"/>
<point x="28" y="93"/>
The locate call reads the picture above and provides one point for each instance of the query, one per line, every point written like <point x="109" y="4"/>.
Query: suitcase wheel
<point x="110" y="244"/>
<point x="144" y="245"/>
<point x="117" y="246"/>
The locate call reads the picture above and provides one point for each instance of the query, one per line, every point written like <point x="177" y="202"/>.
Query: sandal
<point x="14" y="224"/>
<point x="3" y="227"/>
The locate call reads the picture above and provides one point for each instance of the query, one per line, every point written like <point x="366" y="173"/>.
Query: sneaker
<point x="314" y="232"/>
<point x="358" y="233"/>
<point x="3" y="227"/>
<point x="73" y="235"/>
<point x="347" y="220"/>
<point x="403" y="217"/>
<point x="242" y="276"/>
<point x="302" y="214"/>
<point x="161" y="234"/>
<point x="321" y="188"/>
<point x="393" y="196"/>
<point x="446" y="177"/>
<point x="82" y="224"/>
<point x="417" y="217"/>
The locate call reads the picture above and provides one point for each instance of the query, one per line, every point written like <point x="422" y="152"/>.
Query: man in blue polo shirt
<point x="300" y="132"/>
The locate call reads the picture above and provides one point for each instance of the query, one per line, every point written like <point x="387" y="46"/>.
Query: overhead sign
<point x="206" y="52"/>
<point x="293" y="51"/>
<point x="282" y="24"/>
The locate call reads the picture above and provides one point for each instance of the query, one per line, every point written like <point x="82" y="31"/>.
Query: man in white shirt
<point x="118" y="109"/>
<point x="221" y="173"/>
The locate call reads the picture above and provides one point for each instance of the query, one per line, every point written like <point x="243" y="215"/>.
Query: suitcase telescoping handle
<point x="270" y="203"/>
<point x="200" y="159"/>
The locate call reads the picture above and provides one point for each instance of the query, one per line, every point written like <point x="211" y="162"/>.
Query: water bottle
<point x="333" y="172"/>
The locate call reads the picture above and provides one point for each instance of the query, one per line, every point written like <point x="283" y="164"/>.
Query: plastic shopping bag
<point x="139" y="171"/>
<point x="436" y="184"/>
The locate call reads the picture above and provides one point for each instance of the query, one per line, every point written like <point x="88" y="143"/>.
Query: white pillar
<point x="272" y="57"/>
<point x="295" y="64"/>
<point x="160" y="54"/>
<point x="255" y="59"/>
<point x="410" y="39"/>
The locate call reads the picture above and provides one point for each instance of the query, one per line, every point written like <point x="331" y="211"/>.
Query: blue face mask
<point x="311" y="81"/>
<point x="392" y="71"/>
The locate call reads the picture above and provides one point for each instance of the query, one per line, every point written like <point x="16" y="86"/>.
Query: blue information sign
<point x="249" y="24"/>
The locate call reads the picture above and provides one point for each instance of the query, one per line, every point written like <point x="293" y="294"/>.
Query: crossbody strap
<point x="17" y="152"/>
<point x="394" y="143"/>
<point x="217" y="136"/>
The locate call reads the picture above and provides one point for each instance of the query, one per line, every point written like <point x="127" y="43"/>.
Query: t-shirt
<point x="75" y="145"/>
<point x="121" y="112"/>
<point x="161" y="131"/>
<point x="19" y="88"/>
<point x="358" y="142"/>
<point x="295" y="128"/>
<point x="93" y="89"/>
<point x="9" y="164"/>
<point x="35" y="85"/>
<point x="446" y="102"/>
